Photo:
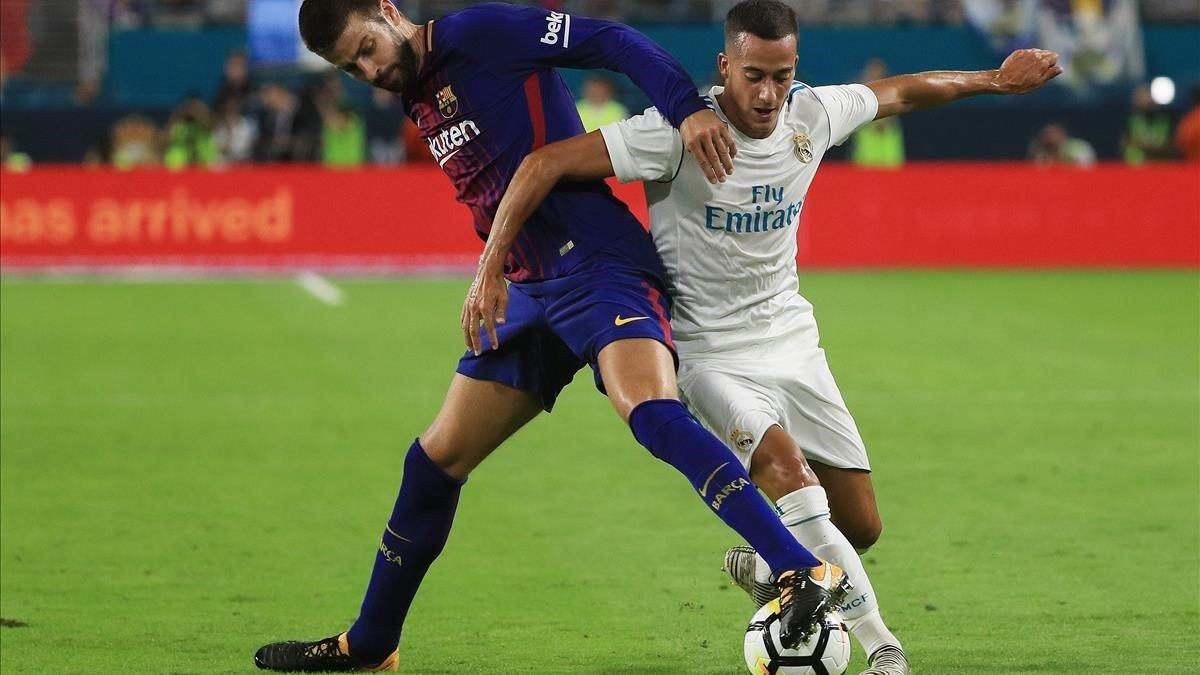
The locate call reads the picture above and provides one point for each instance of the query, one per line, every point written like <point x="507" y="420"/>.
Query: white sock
<point x="805" y="512"/>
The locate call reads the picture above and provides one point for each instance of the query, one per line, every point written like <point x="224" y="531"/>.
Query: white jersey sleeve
<point x="850" y="106"/>
<point x="645" y="147"/>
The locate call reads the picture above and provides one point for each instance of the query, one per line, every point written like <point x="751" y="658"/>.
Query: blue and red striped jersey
<point x="487" y="95"/>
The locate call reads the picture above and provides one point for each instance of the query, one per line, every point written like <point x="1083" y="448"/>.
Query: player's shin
<point x="414" y="536"/>
<point x="670" y="433"/>
<point x="805" y="512"/>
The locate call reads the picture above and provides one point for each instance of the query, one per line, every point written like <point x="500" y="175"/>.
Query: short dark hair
<point x="767" y="19"/>
<point x="322" y="21"/>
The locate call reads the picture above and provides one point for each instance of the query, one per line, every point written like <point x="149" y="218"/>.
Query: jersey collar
<point x="737" y="134"/>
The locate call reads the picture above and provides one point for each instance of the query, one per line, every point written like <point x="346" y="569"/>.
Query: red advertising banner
<point x="405" y="219"/>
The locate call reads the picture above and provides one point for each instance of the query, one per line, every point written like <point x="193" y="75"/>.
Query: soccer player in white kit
<point x="751" y="366"/>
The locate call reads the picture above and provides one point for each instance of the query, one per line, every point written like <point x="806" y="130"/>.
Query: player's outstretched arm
<point x="580" y="158"/>
<point x="518" y="39"/>
<point x="1023" y="71"/>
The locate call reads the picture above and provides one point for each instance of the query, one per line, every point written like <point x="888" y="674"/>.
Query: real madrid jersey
<point x="730" y="249"/>
<point x="487" y="95"/>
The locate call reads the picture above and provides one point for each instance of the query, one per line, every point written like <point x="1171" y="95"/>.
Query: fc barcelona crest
<point x="803" y="147"/>
<point x="447" y="102"/>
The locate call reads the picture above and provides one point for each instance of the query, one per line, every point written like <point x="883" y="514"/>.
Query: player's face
<point x="379" y="52"/>
<point x="757" y="74"/>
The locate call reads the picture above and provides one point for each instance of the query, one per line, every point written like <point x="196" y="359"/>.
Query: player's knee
<point x="450" y="453"/>
<point x="863" y="534"/>
<point x="778" y="467"/>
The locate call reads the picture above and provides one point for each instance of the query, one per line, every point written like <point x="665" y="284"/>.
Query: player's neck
<point x="422" y="42"/>
<point x="731" y="113"/>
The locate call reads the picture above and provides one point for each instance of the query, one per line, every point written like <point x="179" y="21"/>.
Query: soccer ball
<point x="826" y="653"/>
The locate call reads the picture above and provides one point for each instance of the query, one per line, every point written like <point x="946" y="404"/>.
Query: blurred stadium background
<point x="221" y="88"/>
<point x="198" y="462"/>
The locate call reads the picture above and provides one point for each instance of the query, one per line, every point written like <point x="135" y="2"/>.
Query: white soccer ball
<point x="826" y="653"/>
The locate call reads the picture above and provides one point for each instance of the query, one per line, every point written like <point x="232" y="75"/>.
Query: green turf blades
<point x="190" y="470"/>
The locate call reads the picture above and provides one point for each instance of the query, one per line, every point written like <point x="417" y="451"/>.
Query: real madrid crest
<point x="803" y="147"/>
<point x="447" y="102"/>
<point x="742" y="440"/>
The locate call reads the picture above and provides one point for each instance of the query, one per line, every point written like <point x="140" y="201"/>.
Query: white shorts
<point x="738" y="399"/>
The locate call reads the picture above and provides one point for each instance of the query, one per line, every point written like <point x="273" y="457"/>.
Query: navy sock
<point x="670" y="433"/>
<point x="414" y="537"/>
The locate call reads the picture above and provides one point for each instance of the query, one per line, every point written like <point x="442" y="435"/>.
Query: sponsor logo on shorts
<point x="621" y="321"/>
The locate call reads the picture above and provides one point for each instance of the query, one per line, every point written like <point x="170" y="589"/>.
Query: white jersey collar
<point x="743" y="139"/>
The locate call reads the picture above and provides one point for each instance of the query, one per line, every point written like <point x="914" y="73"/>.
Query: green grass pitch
<point x="188" y="470"/>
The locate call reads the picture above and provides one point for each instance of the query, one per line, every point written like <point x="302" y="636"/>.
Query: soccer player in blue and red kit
<point x="586" y="288"/>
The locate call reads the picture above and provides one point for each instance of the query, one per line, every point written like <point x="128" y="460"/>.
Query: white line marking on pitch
<point x="320" y="288"/>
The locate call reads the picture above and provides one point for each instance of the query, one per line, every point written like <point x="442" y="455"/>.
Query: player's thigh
<point x="617" y="319"/>
<point x="852" y="503"/>
<point x="476" y="417"/>
<point x="730" y="403"/>
<point x="815" y="413"/>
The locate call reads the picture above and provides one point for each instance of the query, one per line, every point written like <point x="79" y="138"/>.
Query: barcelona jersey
<point x="487" y="95"/>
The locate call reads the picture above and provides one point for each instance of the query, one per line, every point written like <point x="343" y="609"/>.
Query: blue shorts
<point x="553" y="327"/>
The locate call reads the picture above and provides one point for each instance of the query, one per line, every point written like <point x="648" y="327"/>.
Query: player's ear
<point x="723" y="65"/>
<point x="389" y="12"/>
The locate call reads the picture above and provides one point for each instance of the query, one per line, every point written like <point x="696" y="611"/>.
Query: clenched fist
<point x="1025" y="70"/>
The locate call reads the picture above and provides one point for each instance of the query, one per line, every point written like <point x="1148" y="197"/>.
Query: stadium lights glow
<point x="1162" y="90"/>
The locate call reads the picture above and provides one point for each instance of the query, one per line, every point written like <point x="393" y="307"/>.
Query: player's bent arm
<point x="580" y="158"/>
<point x="1023" y="71"/>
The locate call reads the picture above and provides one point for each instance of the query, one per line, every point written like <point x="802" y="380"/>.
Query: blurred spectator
<point x="1187" y="136"/>
<point x="599" y="106"/>
<point x="275" y="124"/>
<point x="133" y="143"/>
<point x="329" y="90"/>
<point x="879" y="144"/>
<point x="10" y="159"/>
<point x="234" y="134"/>
<point x="235" y="82"/>
<point x="1099" y="41"/>
<point x="306" y="130"/>
<point x="16" y="40"/>
<point x="385" y="140"/>
<point x="1054" y="146"/>
<point x="1148" y="130"/>
<point x="85" y="93"/>
<point x="231" y="12"/>
<point x="289" y="128"/>
<point x="189" y="136"/>
<point x="179" y="13"/>
<point x="1005" y="24"/>
<point x="126" y="14"/>
<point x="343" y="138"/>
<point x="1170" y="10"/>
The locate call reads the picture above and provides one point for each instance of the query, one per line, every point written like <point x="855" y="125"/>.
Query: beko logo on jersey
<point x="775" y="216"/>
<point x="451" y="140"/>
<point x="557" y="23"/>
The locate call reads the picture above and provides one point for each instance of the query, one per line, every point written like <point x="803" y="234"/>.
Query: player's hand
<point x="708" y="139"/>
<point x="485" y="305"/>
<point x="1027" y="69"/>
